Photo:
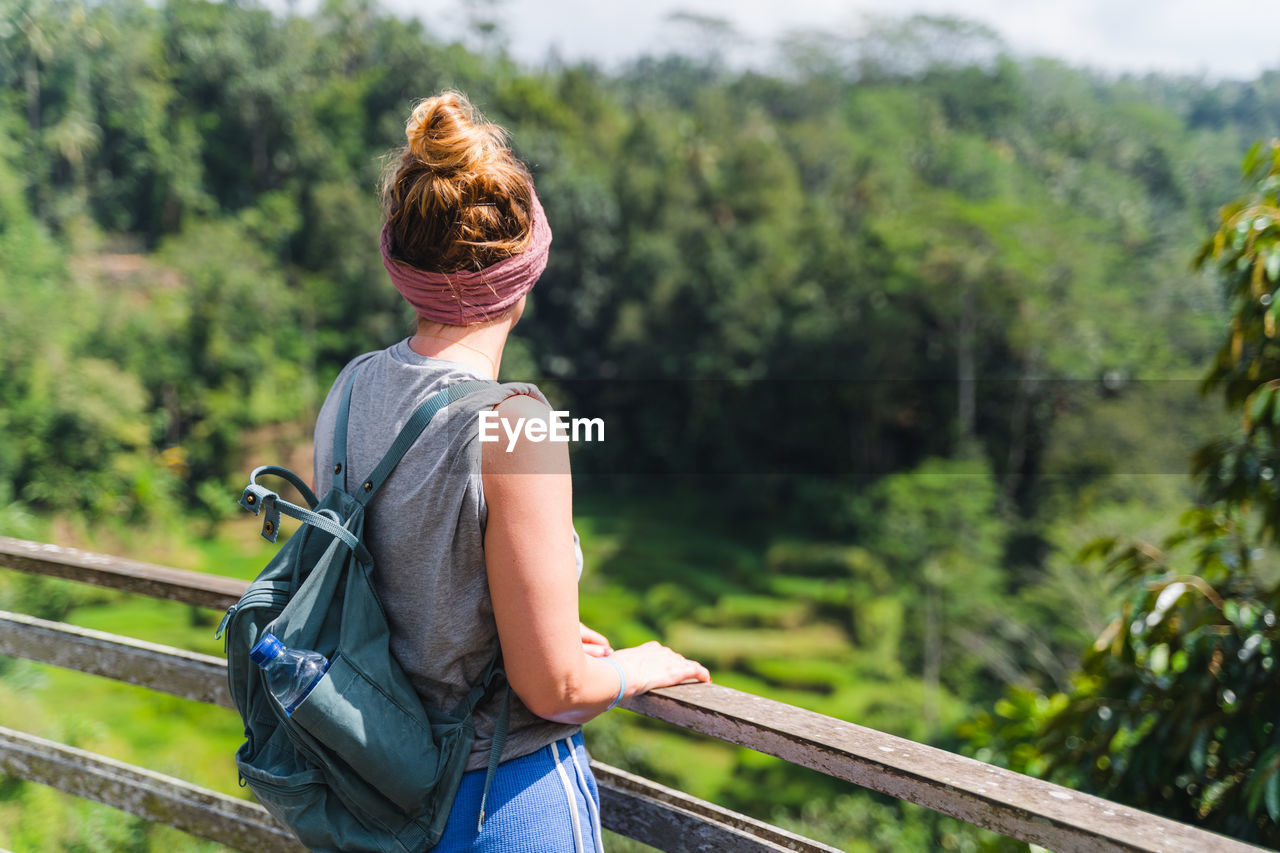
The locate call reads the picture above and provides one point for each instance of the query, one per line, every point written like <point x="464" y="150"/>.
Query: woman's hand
<point x="594" y="643"/>
<point x="654" y="665"/>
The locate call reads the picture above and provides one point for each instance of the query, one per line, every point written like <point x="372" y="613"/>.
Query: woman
<point x="474" y="542"/>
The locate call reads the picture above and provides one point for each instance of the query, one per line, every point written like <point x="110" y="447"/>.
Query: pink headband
<point x="466" y="297"/>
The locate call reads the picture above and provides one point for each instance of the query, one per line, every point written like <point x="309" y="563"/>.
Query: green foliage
<point x="970" y="216"/>
<point x="940" y="534"/>
<point x="908" y="264"/>
<point x="1171" y="709"/>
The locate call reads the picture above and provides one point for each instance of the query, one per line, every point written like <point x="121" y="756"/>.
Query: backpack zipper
<point x="250" y="599"/>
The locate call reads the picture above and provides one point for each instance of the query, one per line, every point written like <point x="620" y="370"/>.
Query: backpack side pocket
<point x="299" y="797"/>
<point x="390" y="747"/>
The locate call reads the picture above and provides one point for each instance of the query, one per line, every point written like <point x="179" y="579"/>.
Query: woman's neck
<point x="478" y="347"/>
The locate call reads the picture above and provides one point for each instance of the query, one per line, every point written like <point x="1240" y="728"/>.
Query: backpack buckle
<point x="261" y="500"/>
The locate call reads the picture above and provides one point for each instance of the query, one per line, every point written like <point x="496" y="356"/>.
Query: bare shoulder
<point x="514" y="439"/>
<point x="524" y="406"/>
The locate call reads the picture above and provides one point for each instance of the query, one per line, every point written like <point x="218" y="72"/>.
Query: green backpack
<point x="361" y="764"/>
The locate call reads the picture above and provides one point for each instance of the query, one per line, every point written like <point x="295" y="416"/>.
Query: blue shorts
<point x="544" y="802"/>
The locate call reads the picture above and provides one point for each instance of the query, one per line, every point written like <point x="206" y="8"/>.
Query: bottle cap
<point x="266" y="649"/>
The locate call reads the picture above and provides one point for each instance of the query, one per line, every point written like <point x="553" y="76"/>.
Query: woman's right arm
<point x="533" y="584"/>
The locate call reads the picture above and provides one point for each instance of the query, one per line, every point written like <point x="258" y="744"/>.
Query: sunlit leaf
<point x="1258" y="405"/>
<point x="1199" y="749"/>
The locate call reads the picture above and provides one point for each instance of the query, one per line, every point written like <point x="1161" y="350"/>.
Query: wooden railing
<point x="990" y="797"/>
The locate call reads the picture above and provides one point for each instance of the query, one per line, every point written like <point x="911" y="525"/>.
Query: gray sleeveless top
<point x="425" y="529"/>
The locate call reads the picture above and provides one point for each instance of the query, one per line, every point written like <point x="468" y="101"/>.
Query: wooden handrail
<point x="38" y="558"/>
<point x="153" y="796"/>
<point x="673" y="821"/>
<point x="994" y="798"/>
<point x="1010" y="803"/>
<point x="176" y="671"/>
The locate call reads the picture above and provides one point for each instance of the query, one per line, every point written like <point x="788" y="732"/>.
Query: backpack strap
<point x="495" y="751"/>
<point x="260" y="500"/>
<point x="412" y="429"/>
<point x="340" y="433"/>
<point x="293" y="479"/>
<point x="467" y="707"/>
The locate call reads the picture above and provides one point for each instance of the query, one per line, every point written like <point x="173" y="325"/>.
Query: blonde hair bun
<point x="446" y="133"/>
<point x="456" y="198"/>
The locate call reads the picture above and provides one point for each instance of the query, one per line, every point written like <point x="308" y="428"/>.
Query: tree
<point x="1174" y="707"/>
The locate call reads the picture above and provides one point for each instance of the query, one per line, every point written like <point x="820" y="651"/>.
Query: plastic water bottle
<point x="291" y="673"/>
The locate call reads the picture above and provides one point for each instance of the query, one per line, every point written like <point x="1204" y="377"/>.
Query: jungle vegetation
<point x="908" y="350"/>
